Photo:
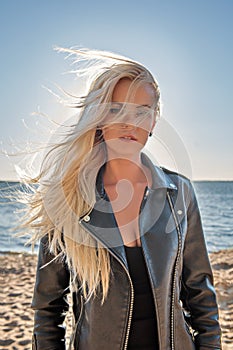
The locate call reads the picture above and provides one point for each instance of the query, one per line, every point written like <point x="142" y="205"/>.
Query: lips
<point x="128" y="138"/>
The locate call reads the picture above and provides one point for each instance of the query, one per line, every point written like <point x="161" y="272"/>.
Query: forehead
<point x="144" y="94"/>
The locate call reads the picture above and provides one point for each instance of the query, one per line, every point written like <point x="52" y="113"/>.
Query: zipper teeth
<point x="175" y="270"/>
<point x="130" y="311"/>
<point x="131" y="288"/>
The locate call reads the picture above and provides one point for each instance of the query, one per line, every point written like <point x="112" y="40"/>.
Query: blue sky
<point x="187" y="45"/>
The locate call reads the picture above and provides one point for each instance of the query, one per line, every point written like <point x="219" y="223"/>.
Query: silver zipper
<point x="130" y="311"/>
<point x="175" y="270"/>
<point x="131" y="287"/>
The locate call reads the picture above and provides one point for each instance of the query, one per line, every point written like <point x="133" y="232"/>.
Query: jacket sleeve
<point x="197" y="283"/>
<point x="49" y="301"/>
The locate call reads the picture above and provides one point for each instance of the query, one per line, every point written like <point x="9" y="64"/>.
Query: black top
<point x="143" y="331"/>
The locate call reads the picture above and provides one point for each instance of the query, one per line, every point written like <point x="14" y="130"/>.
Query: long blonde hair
<point x="65" y="187"/>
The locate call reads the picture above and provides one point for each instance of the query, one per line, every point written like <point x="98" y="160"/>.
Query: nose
<point x="128" y="122"/>
<point x="128" y="126"/>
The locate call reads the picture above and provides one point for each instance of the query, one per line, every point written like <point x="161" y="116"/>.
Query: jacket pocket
<point x="191" y="332"/>
<point x="184" y="333"/>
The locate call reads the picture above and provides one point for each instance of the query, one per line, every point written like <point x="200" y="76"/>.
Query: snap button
<point x="179" y="212"/>
<point x="86" y="218"/>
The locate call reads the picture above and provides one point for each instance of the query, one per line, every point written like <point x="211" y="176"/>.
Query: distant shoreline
<point x="12" y="253"/>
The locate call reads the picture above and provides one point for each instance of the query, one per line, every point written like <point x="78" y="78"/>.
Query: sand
<point x="17" y="275"/>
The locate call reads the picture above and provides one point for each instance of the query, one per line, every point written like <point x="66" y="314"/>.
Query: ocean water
<point x="215" y="200"/>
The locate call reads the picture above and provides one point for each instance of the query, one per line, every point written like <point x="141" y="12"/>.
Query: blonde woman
<point x="122" y="234"/>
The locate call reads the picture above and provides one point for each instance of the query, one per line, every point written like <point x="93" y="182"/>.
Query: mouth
<point x="128" y="138"/>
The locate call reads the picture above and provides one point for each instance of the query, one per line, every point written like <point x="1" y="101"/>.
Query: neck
<point x="125" y="169"/>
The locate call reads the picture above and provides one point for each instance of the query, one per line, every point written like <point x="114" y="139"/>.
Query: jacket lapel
<point x="101" y="223"/>
<point x="158" y="236"/>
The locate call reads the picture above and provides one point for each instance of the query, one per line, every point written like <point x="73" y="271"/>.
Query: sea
<point x="215" y="199"/>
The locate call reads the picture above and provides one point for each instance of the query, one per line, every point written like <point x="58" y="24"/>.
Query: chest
<point x="126" y="200"/>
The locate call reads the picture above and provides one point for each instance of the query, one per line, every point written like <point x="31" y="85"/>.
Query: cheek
<point x="146" y="125"/>
<point x="143" y="133"/>
<point x="109" y="134"/>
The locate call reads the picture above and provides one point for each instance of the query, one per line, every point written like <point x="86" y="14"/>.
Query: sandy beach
<point x="17" y="280"/>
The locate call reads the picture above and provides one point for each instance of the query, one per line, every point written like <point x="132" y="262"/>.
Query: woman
<point x="124" y="235"/>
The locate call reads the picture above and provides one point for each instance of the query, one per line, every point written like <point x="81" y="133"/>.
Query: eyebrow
<point x="138" y="106"/>
<point x="144" y="106"/>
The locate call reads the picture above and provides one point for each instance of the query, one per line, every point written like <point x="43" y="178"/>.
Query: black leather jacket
<point x="178" y="266"/>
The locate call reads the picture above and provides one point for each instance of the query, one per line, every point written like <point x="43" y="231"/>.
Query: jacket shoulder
<point x="180" y="180"/>
<point x="174" y="173"/>
<point x="184" y="185"/>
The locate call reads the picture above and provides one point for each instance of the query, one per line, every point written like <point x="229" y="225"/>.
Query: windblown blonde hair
<point x="65" y="187"/>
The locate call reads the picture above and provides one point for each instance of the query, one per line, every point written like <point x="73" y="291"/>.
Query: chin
<point x="119" y="148"/>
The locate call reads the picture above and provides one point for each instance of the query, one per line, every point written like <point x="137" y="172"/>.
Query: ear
<point x="153" y="123"/>
<point x="98" y="136"/>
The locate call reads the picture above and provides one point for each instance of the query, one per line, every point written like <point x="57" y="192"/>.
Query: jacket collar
<point x="159" y="178"/>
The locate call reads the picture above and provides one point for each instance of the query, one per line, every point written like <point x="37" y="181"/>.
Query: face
<point x="131" y="134"/>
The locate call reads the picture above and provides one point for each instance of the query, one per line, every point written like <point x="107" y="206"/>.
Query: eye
<point x="114" y="110"/>
<point x="143" y="112"/>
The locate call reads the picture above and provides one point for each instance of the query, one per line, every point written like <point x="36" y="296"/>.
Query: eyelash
<point x="115" y="110"/>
